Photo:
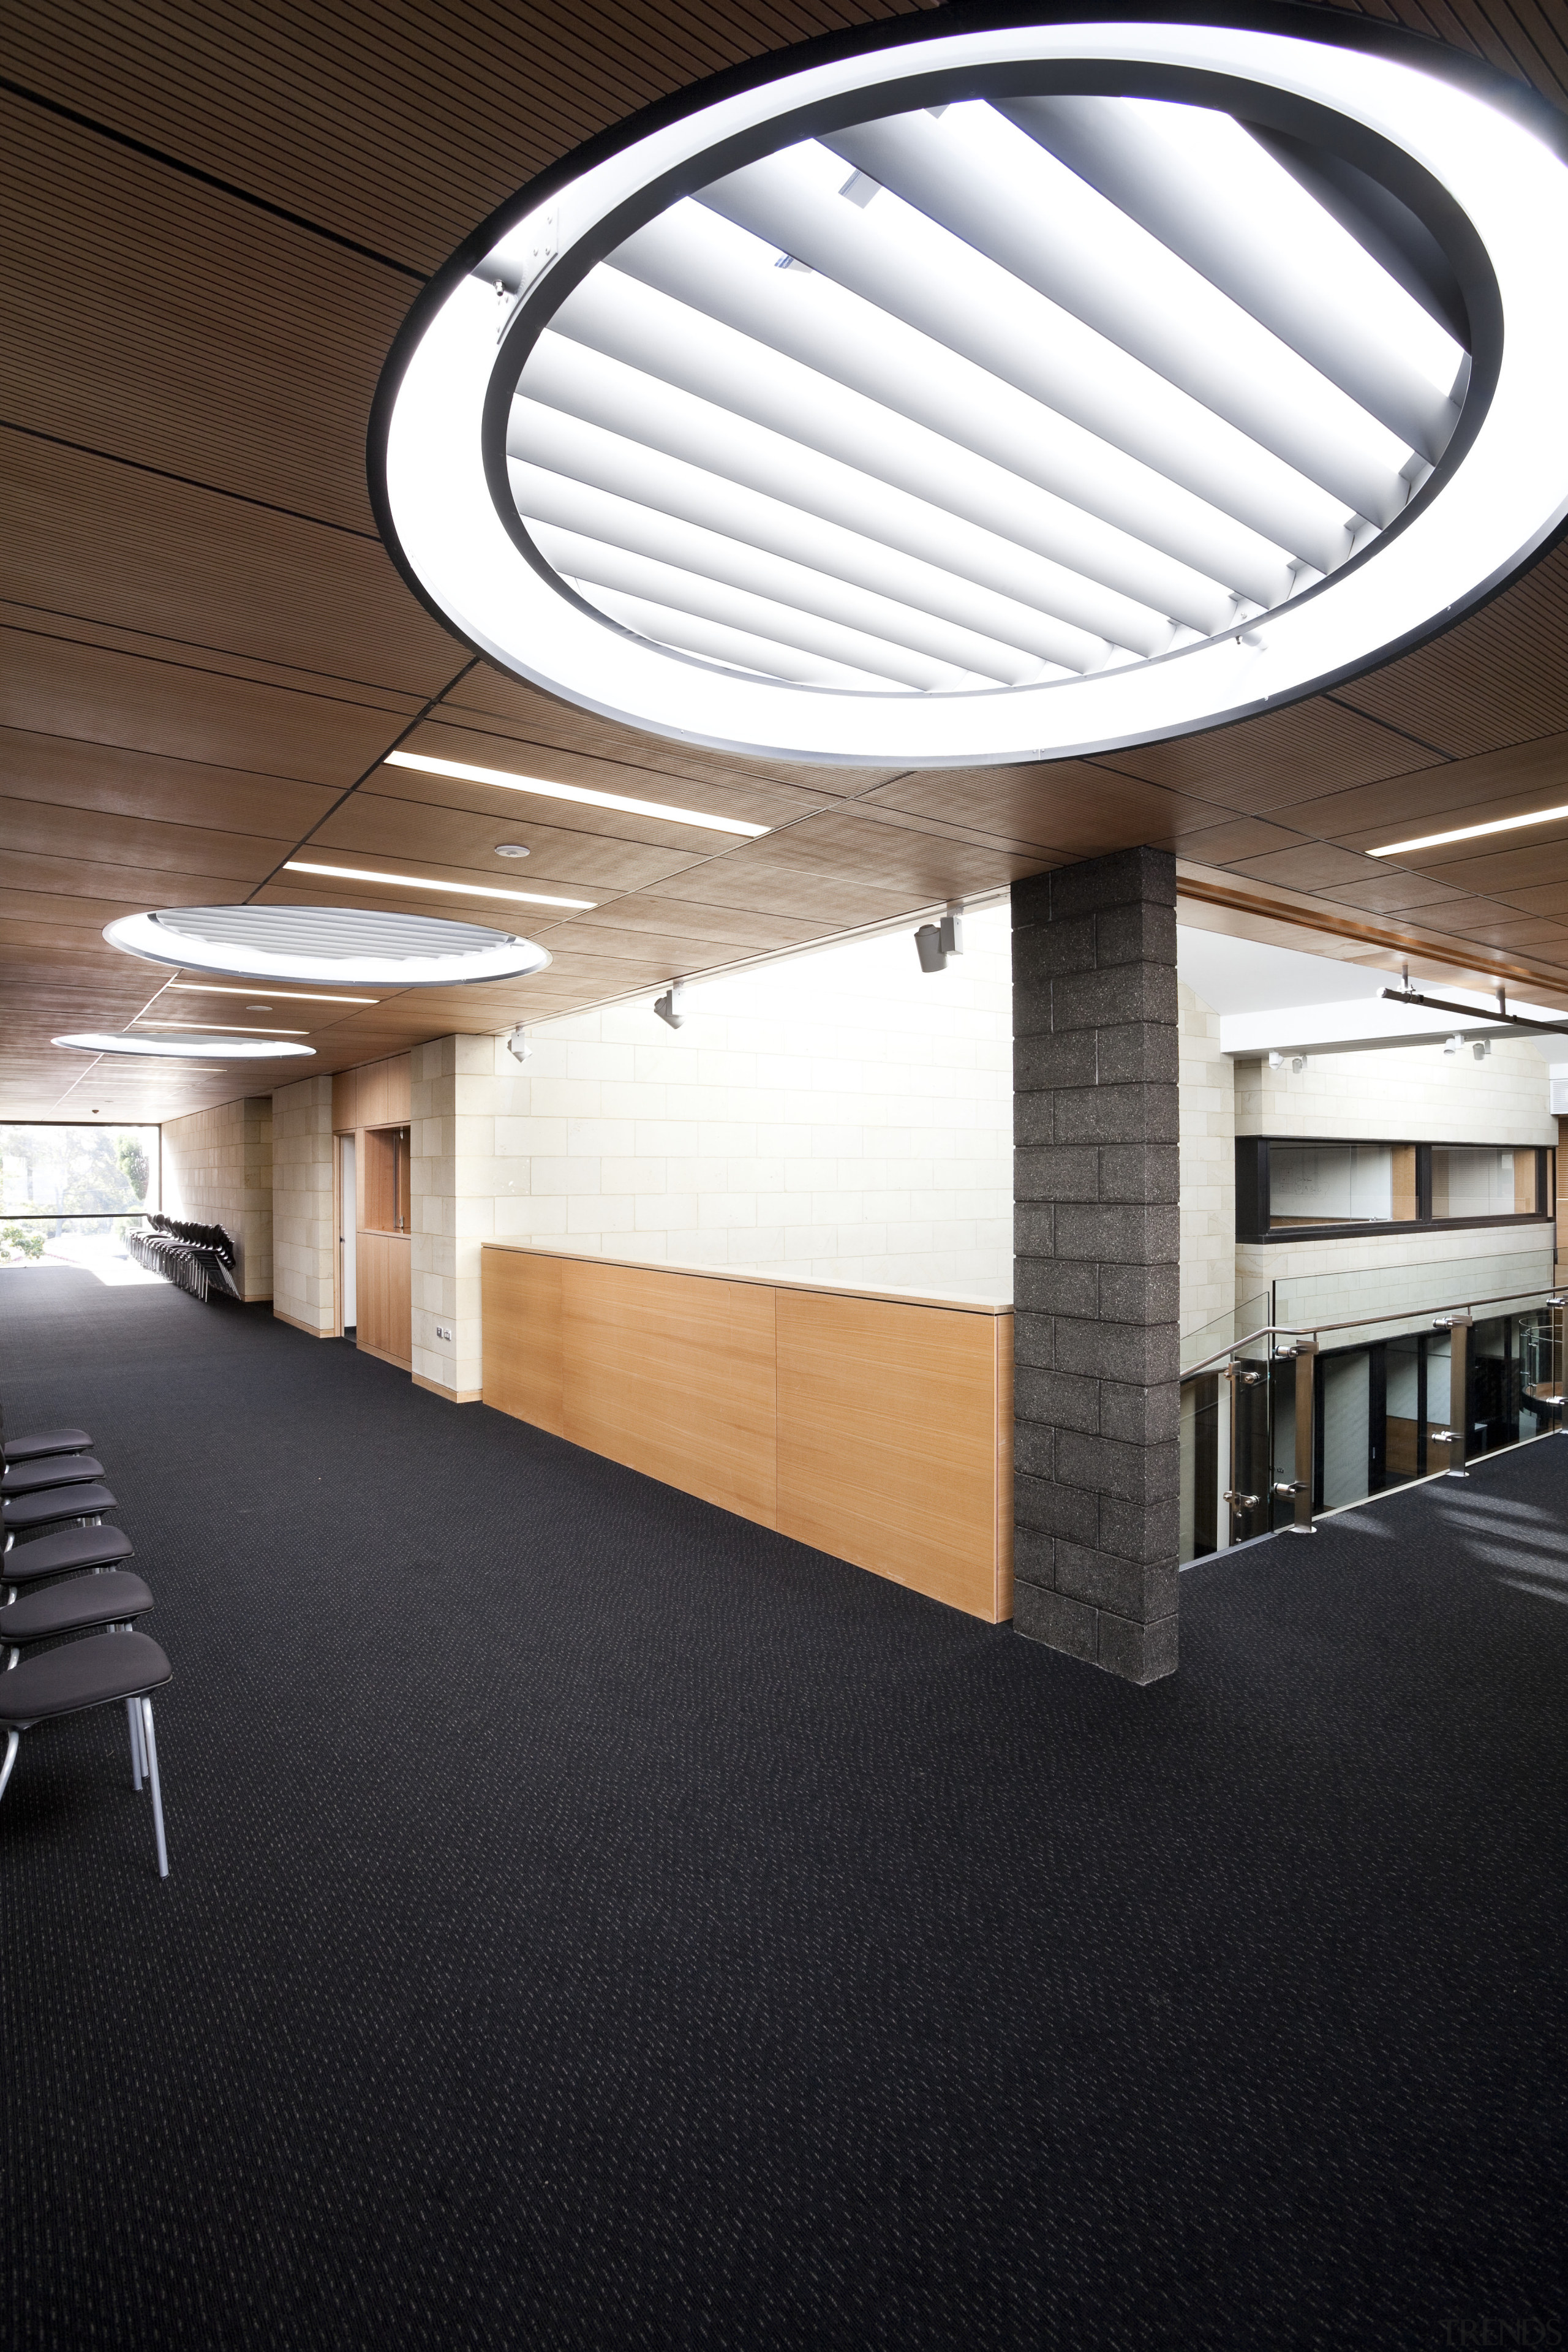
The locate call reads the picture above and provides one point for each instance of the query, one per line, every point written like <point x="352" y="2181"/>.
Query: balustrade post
<point x="1459" y="1394"/>
<point x="1306" y="1404"/>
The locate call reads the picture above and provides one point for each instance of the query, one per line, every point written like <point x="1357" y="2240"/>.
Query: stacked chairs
<point x="200" y="1258"/>
<point x="67" y="1580"/>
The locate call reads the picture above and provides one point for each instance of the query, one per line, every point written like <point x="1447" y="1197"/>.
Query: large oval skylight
<point x="988" y="395"/>
<point x="326" y="943"/>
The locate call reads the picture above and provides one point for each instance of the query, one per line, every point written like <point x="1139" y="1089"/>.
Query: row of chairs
<point x="199" y="1258"/>
<point x="63" y="1572"/>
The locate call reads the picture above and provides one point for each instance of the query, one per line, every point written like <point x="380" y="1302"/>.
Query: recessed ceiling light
<point x="428" y="882"/>
<point x="511" y="782"/>
<point x="154" y="1047"/>
<point x="510" y="849"/>
<point x="327" y="943"/>
<point x="1469" y="831"/>
<point x="1070" y="390"/>
<point x="282" y="996"/>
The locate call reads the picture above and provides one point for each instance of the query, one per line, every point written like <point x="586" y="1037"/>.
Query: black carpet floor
<point x="598" y="1922"/>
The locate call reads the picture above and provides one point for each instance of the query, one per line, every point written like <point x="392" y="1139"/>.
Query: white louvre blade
<point x="1194" y="179"/>
<point x="685" y="299"/>
<point x="761" y="657"/>
<point x="705" y="433"/>
<point x="717" y="581"/>
<point x="983" y="181"/>
<point x="586" y="453"/>
<point x="956" y="297"/>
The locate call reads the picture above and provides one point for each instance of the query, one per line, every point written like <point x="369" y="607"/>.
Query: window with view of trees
<point x="84" y="1181"/>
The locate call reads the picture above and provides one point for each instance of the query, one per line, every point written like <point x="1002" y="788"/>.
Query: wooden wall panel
<point x="874" y="1429"/>
<point x="887" y="1442"/>
<point x="524" y="1363"/>
<point x="673" y="1375"/>
<point x="383" y="1301"/>
<point x="373" y="1094"/>
<point x="1003" y="1328"/>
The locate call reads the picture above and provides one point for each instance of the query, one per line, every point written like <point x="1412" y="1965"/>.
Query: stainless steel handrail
<point x="1365" y="1322"/>
<point x="1232" y="1363"/>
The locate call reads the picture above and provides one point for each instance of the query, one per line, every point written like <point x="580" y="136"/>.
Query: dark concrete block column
<point x="1096" y="1411"/>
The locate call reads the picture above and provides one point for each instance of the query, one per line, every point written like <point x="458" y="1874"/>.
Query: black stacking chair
<point x="80" y="1675"/>
<point x="67" y="1552"/>
<point x="27" y="1515"/>
<point x="86" y="1605"/>
<point x="55" y="1470"/>
<point x="45" y="1442"/>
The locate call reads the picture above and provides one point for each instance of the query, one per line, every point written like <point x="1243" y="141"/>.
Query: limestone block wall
<point x="304" y="1235"/>
<point x="1394" y="1273"/>
<point x="839" y="1114"/>
<point x="1412" y="1094"/>
<point x="217" y="1170"/>
<point x="461" y="1086"/>
<point x="1207" y="1100"/>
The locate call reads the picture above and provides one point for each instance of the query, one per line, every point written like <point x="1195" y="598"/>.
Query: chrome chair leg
<point x="12" y="1745"/>
<point x="151" y="1740"/>
<point x="135" y="1728"/>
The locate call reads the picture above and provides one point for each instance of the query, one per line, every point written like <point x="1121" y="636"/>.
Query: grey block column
<point x="1096" y="1407"/>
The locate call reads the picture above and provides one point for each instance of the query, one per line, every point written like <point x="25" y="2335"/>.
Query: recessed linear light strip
<point x="428" y="882"/>
<point x="514" y="783"/>
<point x="278" y="996"/>
<point x="233" y="1028"/>
<point x="1469" y="831"/>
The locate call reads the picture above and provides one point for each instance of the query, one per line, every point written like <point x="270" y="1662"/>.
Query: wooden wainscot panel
<point x="345" y="1101"/>
<point x="888" y="1447"/>
<point x="382" y="1302"/>
<point x="1003" y="1327"/>
<point x="399" y="1089"/>
<point x="673" y="1375"/>
<point x="523" y="1360"/>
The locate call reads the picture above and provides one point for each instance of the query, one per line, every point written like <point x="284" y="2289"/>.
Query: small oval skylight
<point x="327" y="943"/>
<point x="155" y="1044"/>
<point x="997" y="394"/>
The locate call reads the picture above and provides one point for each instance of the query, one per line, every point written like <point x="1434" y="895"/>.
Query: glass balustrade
<point x="1399" y="1395"/>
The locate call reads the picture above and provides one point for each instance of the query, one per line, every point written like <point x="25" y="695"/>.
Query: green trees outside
<point x="75" y="1172"/>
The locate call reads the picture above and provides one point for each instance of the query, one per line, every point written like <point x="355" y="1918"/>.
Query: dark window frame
<point x="1252" y="1189"/>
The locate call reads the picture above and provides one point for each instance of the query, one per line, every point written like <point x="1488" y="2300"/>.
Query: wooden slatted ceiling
<point x="206" y="654"/>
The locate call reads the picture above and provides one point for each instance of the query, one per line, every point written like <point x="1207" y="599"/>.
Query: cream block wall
<point x="217" y="1170"/>
<point x="304" y="1235"/>
<point x="841" y="1115"/>
<point x="1207" y="1109"/>
<point x="1387" y="1274"/>
<point x="465" y="1091"/>
<point x="1413" y="1094"/>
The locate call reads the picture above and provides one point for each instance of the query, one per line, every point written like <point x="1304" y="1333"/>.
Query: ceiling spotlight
<point x="1114" y="415"/>
<point x="1453" y="1044"/>
<point x="929" y="949"/>
<point x="510" y="849"/>
<point x="668" y="1006"/>
<point x="1482" y="1048"/>
<point x="520" y="1044"/>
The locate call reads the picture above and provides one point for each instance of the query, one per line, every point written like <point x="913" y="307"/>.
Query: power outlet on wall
<point x="442" y="1331"/>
